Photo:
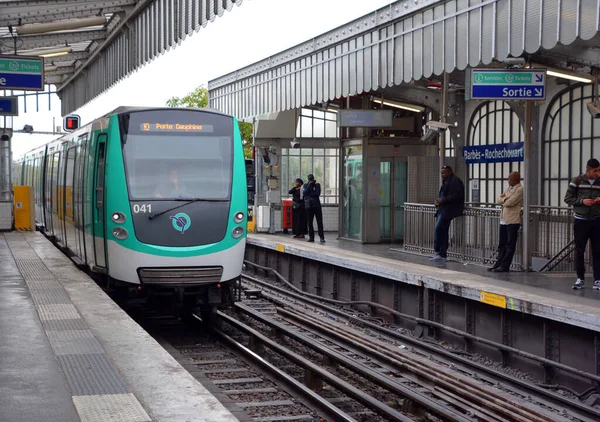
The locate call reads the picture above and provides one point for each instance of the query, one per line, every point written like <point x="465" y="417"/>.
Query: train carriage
<point x="153" y="199"/>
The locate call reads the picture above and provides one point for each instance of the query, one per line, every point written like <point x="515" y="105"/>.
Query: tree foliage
<point x="198" y="98"/>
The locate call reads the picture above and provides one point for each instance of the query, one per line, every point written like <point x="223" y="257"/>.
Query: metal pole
<point x="444" y="114"/>
<point x="526" y="177"/>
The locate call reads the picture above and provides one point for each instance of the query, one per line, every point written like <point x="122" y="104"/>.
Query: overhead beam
<point x="15" y="13"/>
<point x="53" y="40"/>
<point x="71" y="57"/>
<point x="139" y="8"/>
<point x="62" y="70"/>
<point x="55" y="79"/>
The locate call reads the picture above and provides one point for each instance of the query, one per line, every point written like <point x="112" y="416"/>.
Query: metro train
<point x="152" y="201"/>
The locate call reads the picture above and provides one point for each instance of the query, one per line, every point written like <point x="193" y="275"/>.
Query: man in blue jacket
<point x="312" y="191"/>
<point x="450" y="204"/>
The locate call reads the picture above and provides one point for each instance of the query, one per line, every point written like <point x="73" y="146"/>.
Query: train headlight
<point x="238" y="217"/>
<point x="118" y="217"/>
<point x="237" y="232"/>
<point x="120" y="233"/>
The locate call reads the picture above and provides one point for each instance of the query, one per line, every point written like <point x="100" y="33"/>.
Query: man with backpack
<point x="584" y="195"/>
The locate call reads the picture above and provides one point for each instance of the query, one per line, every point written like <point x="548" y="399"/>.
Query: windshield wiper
<point x="158" y="214"/>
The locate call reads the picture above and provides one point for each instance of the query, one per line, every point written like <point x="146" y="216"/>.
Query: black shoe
<point x="322" y="240"/>
<point x="311" y="240"/>
<point x="502" y="270"/>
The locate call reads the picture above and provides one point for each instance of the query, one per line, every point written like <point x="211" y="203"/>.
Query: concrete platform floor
<point x="69" y="353"/>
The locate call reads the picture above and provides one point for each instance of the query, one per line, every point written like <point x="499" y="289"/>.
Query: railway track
<point x="254" y="393"/>
<point x="424" y="378"/>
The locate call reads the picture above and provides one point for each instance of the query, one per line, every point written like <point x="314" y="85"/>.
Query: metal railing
<point x="474" y="237"/>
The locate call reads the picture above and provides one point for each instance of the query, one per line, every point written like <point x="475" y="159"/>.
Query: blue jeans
<point x="440" y="239"/>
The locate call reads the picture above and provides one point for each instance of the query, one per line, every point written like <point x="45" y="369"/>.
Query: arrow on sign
<point x="539" y="78"/>
<point x="539" y="92"/>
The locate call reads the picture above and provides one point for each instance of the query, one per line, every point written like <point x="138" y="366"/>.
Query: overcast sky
<point x="249" y="33"/>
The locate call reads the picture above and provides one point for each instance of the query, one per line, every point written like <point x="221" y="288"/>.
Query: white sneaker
<point x="579" y="284"/>
<point x="596" y="285"/>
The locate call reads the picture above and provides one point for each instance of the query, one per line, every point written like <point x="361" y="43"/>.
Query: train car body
<point x="153" y="199"/>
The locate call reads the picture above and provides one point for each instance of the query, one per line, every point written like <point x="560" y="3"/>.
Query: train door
<point x="56" y="197"/>
<point x="70" y="235"/>
<point x="78" y="204"/>
<point x="49" y="161"/>
<point x="99" y="196"/>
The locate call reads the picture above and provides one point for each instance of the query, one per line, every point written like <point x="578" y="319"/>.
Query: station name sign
<point x="22" y="72"/>
<point x="499" y="153"/>
<point x="508" y="84"/>
<point x="174" y="127"/>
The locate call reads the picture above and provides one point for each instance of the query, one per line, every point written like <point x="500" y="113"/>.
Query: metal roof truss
<point x="400" y="43"/>
<point x="136" y="32"/>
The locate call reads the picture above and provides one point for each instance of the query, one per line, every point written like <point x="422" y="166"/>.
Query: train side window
<point x="100" y="173"/>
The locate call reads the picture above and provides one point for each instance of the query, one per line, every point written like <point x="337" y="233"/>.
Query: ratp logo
<point x="181" y="222"/>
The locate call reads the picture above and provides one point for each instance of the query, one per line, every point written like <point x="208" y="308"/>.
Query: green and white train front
<point x="176" y="202"/>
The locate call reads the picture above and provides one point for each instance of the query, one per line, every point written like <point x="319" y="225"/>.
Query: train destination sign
<point x="508" y="84"/>
<point x="499" y="153"/>
<point x="22" y="72"/>
<point x="175" y="127"/>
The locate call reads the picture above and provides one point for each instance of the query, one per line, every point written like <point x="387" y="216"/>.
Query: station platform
<point x="547" y="295"/>
<point x="69" y="353"/>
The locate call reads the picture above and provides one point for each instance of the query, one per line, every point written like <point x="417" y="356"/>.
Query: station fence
<point x="474" y="236"/>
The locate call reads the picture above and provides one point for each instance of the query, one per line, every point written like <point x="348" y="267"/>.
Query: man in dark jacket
<point x="450" y="204"/>
<point x="583" y="194"/>
<point x="312" y="191"/>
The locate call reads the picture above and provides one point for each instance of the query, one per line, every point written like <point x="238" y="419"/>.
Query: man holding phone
<point x="583" y="194"/>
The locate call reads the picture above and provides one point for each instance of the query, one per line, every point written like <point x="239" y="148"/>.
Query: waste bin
<point x="286" y="218"/>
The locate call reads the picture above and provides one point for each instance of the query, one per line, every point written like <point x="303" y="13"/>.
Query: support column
<point x="6" y="197"/>
<point x="443" y="116"/>
<point x="528" y="172"/>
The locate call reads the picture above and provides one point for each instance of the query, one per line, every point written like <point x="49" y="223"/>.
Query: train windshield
<point x="177" y="155"/>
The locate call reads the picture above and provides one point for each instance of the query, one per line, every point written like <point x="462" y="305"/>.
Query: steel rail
<point x="460" y="388"/>
<point x="365" y="371"/>
<point x="316" y="402"/>
<point x="533" y="389"/>
<point x="329" y="378"/>
<point x="463" y="334"/>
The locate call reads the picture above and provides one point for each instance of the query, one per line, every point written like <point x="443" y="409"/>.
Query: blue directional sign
<point x="19" y="72"/>
<point x="9" y="106"/>
<point x="508" y="84"/>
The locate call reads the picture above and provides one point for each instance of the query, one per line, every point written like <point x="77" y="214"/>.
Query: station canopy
<point x="90" y="45"/>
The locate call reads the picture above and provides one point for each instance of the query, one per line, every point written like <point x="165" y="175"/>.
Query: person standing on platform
<point x="510" y="222"/>
<point x="312" y="191"/>
<point x="298" y="210"/>
<point x="583" y="194"/>
<point x="450" y="204"/>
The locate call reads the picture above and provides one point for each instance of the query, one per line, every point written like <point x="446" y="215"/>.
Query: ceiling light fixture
<point x="40" y="28"/>
<point x="396" y="104"/>
<point x="564" y="74"/>
<point x="570" y="76"/>
<point x="48" y="52"/>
